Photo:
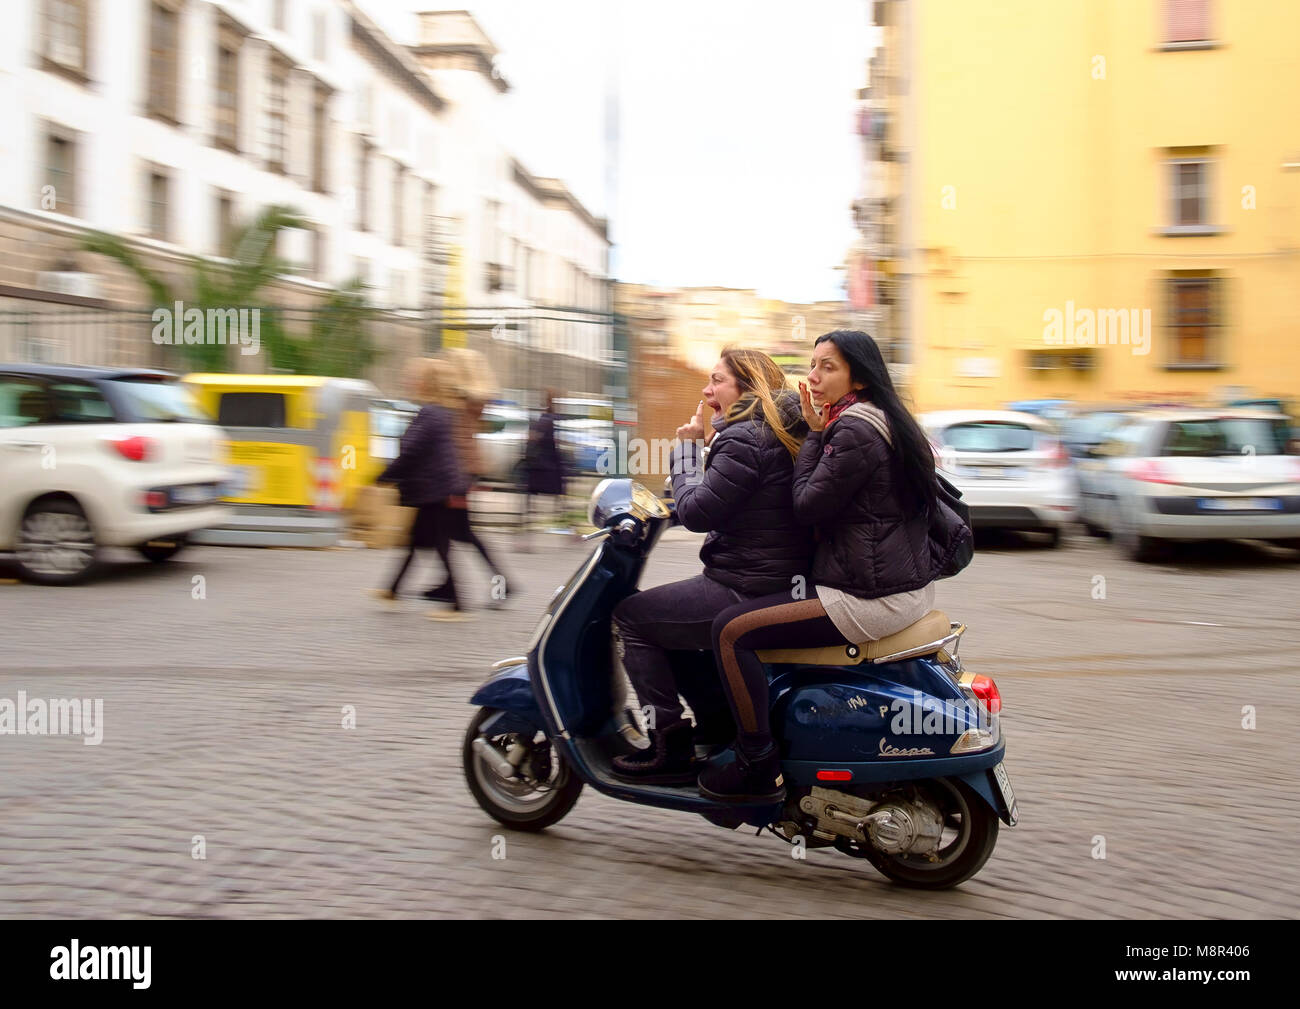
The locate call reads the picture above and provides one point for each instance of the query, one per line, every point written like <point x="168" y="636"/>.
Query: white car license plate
<point x="1004" y="786"/>
<point x="1245" y="504"/>
<point x="199" y="493"/>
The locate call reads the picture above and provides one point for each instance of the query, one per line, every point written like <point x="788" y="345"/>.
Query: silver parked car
<point x="1193" y="474"/>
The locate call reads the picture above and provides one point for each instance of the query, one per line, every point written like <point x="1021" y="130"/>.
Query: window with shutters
<point x="399" y="188"/>
<point x="225" y="113"/>
<point x="363" y="184"/>
<point x="157" y="187"/>
<point x="64" y="36"/>
<point x="277" y="116"/>
<point x="1195" y="321"/>
<point x="319" y="137"/>
<point x="1186" y="23"/>
<point x="60" y="171"/>
<point x="225" y="224"/>
<point x="164" y="77"/>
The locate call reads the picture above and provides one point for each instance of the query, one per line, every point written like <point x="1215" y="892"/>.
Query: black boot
<point x="735" y="776"/>
<point x="667" y="761"/>
<point x="441" y="594"/>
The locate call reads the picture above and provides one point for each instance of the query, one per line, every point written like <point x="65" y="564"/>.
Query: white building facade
<point x="170" y="122"/>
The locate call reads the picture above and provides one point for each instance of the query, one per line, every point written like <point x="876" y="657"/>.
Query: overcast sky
<point x="736" y="162"/>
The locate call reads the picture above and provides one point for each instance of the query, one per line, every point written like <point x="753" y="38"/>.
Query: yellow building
<point x="1093" y="199"/>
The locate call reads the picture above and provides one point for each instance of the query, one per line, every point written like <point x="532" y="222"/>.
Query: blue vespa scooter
<point x="890" y="751"/>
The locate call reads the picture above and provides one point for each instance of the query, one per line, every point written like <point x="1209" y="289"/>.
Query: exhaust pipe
<point x="493" y="758"/>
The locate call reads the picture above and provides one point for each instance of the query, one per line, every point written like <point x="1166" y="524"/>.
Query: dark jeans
<point x="431" y="528"/>
<point x="739" y="631"/>
<point x="675" y="616"/>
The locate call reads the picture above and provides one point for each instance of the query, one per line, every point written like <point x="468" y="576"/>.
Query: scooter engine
<point x="897" y="826"/>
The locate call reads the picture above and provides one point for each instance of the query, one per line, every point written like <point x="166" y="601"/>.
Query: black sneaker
<point x="442" y="594"/>
<point x="666" y="761"/>
<point x="734" y="776"/>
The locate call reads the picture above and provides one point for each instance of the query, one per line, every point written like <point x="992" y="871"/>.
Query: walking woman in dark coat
<point x="542" y="459"/>
<point x="740" y="496"/>
<point x="428" y="474"/>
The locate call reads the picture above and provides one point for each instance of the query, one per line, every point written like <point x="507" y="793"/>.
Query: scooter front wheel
<point x="540" y="791"/>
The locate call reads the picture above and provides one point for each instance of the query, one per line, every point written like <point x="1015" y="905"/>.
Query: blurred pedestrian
<point x="428" y="475"/>
<point x="471" y="388"/>
<point x="544" y="464"/>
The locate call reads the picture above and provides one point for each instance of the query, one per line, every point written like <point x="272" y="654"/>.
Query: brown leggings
<point x="739" y="631"/>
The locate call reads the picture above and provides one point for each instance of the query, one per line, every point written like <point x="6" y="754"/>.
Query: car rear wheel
<point x="164" y="549"/>
<point x="55" y="543"/>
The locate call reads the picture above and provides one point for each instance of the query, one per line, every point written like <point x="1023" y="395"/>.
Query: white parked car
<point x="1011" y="468"/>
<point x="1194" y="474"/>
<point x="96" y="457"/>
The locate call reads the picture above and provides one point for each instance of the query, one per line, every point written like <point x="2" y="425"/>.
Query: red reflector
<point x="155" y="499"/>
<point x="834" y="775"/>
<point x="987" y="691"/>
<point x="136" y="448"/>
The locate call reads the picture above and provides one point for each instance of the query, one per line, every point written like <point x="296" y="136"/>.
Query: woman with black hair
<point x="865" y="478"/>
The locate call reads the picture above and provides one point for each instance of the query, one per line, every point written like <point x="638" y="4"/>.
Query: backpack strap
<point x="874" y="416"/>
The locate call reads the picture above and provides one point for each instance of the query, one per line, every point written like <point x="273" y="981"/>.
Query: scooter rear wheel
<point x="971" y="831"/>
<point x="524" y="802"/>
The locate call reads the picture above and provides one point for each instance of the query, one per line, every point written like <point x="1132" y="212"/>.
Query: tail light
<point x="137" y="448"/>
<point x="1058" y="455"/>
<point x="987" y="692"/>
<point x="1148" y="471"/>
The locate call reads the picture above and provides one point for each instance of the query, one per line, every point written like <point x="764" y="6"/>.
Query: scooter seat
<point x="931" y="629"/>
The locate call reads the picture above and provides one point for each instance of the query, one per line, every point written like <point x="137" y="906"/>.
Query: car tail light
<point x="137" y="448"/>
<point x="1059" y="457"/>
<point x="153" y="498"/>
<point x="987" y="691"/>
<point x="1148" y="471"/>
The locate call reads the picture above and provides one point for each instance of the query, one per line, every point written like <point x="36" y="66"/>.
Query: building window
<point x="225" y="223"/>
<point x="318" y="254"/>
<point x="277" y="117"/>
<point x="1189" y="189"/>
<point x="280" y="14"/>
<point x="319" y="138"/>
<point x="164" y="36"/>
<point x="1186" y="21"/>
<point x="60" y="172"/>
<point x="1195" y="322"/>
<point x="158" y="185"/>
<point x="363" y="184"/>
<point x="226" y="113"/>
<point x="399" y="184"/>
<point x="65" y="35"/>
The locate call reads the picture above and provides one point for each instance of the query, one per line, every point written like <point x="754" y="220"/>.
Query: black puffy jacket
<point x="847" y="480"/>
<point x="742" y="500"/>
<point x="426" y="469"/>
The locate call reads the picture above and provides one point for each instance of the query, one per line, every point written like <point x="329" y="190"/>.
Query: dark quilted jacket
<point x="742" y="500"/>
<point x="869" y="544"/>
<point x="426" y="469"/>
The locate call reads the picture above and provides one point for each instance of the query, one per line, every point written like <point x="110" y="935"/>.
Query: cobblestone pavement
<point x="222" y="718"/>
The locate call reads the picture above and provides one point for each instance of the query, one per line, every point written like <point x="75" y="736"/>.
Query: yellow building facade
<point x="1099" y="199"/>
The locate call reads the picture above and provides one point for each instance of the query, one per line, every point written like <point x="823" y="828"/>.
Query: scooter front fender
<point x="511" y="691"/>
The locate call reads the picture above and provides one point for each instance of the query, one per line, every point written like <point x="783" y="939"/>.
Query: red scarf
<point x="840" y="406"/>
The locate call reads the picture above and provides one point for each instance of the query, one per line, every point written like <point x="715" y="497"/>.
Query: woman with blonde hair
<point x="471" y="390"/>
<point x="428" y="474"/>
<point x="741" y="496"/>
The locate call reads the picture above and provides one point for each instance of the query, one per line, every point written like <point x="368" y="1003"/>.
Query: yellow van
<point x="298" y="447"/>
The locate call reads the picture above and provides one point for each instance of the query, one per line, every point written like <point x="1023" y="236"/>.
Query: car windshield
<point x="989" y="436"/>
<point x="153" y="400"/>
<point x="1226" y="436"/>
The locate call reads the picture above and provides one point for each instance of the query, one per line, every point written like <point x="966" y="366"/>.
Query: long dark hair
<point x="914" y="455"/>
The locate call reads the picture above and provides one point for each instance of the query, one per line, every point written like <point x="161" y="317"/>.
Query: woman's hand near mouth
<point x="811" y="414"/>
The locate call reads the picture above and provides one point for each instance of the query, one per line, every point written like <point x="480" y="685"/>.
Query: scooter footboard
<point x="510" y="690"/>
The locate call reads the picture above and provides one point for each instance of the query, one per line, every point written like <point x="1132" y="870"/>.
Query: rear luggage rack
<point x="955" y="631"/>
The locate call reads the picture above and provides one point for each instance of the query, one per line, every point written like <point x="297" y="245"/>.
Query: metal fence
<point x="576" y="350"/>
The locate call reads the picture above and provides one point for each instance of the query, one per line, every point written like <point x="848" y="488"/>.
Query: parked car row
<point x="1143" y="477"/>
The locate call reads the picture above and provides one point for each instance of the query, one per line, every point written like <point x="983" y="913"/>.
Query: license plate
<point x="200" y="493"/>
<point x="1004" y="786"/>
<point x="1244" y="504"/>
